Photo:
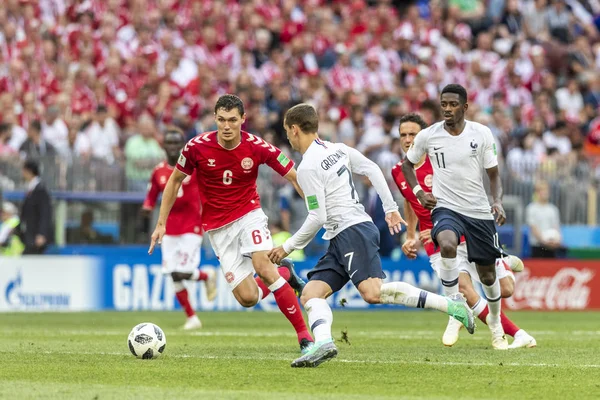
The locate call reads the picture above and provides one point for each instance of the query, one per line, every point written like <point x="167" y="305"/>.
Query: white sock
<point x="449" y="275"/>
<point x="320" y="319"/>
<point x="493" y="298"/>
<point x="479" y="306"/>
<point x="178" y="286"/>
<point x="410" y="296"/>
<point x="195" y="275"/>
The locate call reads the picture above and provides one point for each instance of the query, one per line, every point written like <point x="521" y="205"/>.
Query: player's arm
<point x="490" y="163"/>
<point x="168" y="199"/>
<point x="149" y="203"/>
<point x="414" y="155"/>
<point x="292" y="178"/>
<point x="409" y="247"/>
<point x="363" y="166"/>
<point x="317" y="216"/>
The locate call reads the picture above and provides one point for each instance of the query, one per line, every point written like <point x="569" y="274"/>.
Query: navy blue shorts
<point x="352" y="255"/>
<point x="483" y="245"/>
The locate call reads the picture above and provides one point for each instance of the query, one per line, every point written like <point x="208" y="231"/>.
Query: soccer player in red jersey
<point x="183" y="236"/>
<point x="414" y="212"/>
<point x="226" y="165"/>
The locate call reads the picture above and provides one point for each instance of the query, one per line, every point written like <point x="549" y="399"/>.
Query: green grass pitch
<point x="246" y="355"/>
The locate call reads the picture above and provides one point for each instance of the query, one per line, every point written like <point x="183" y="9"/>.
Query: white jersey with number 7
<point x="325" y="176"/>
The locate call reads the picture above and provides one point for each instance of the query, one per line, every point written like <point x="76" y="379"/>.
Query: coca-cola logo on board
<point x="567" y="289"/>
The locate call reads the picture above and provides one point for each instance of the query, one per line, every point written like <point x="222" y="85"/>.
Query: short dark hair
<point x="36" y="124"/>
<point x="389" y="118"/>
<point x="101" y="108"/>
<point x="174" y="130"/>
<point x="32" y="166"/>
<point x="305" y="116"/>
<point x="415" y="118"/>
<point x="456" y="89"/>
<point x="4" y="127"/>
<point x="228" y="102"/>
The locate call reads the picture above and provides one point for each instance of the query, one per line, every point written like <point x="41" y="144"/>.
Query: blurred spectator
<point x="85" y="233"/>
<point x="544" y="224"/>
<point x="55" y="131"/>
<point x="142" y="152"/>
<point x="36" y="212"/>
<point x="10" y="243"/>
<point x="103" y="135"/>
<point x="557" y="138"/>
<point x="36" y="147"/>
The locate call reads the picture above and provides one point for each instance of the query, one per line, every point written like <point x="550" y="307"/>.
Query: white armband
<point x="417" y="189"/>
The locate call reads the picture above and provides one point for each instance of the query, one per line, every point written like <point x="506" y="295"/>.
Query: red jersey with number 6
<point x="186" y="215"/>
<point x="227" y="177"/>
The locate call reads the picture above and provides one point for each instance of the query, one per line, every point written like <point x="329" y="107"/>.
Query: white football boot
<point x="499" y="341"/>
<point x="515" y="263"/>
<point x="523" y="339"/>
<point x="450" y="336"/>
<point x="211" y="284"/>
<point x="192" y="323"/>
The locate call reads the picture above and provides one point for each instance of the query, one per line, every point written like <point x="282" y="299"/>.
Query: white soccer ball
<point x="147" y="341"/>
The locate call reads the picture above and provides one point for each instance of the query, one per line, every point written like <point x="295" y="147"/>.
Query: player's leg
<point x="255" y="240"/>
<point x="483" y="249"/>
<point x="189" y="268"/>
<point x="446" y="233"/>
<point x="172" y="259"/>
<point x="326" y="278"/>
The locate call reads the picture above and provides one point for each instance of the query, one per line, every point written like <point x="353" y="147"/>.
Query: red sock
<point x="509" y="327"/>
<point x="289" y="306"/>
<point x="203" y="276"/>
<point x="283" y="272"/>
<point x="182" y="297"/>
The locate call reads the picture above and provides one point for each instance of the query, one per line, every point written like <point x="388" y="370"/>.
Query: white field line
<point x="340" y="360"/>
<point x="424" y="334"/>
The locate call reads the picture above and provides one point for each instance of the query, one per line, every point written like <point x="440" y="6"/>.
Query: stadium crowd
<point x="87" y="85"/>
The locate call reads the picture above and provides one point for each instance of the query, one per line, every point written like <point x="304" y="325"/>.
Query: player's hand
<point x="277" y="254"/>
<point x="394" y="221"/>
<point x="157" y="237"/>
<point x="409" y="248"/>
<point x="425" y="236"/>
<point x="427" y="200"/>
<point x="500" y="213"/>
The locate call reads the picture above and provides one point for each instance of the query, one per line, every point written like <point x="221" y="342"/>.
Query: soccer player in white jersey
<point x="325" y="176"/>
<point x="460" y="150"/>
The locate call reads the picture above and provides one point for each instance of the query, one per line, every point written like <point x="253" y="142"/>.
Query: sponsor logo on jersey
<point x="247" y="163"/>
<point x="312" y="202"/>
<point x="182" y="160"/>
<point x="211" y="162"/>
<point x="283" y="160"/>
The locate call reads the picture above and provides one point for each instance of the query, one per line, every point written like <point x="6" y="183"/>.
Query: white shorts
<point x="464" y="265"/>
<point x="234" y="244"/>
<point x="181" y="253"/>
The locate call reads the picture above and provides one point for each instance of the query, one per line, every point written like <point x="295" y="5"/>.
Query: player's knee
<point x="507" y="287"/>
<point x="177" y="276"/>
<point x="448" y="248"/>
<point x="371" y="296"/>
<point x="247" y="300"/>
<point x="487" y="278"/>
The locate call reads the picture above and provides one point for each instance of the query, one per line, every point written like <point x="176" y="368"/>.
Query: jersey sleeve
<point x="363" y="166"/>
<point x="419" y="147"/>
<point x="274" y="158"/>
<point x="490" y="154"/>
<point x="397" y="174"/>
<point x="153" y="192"/>
<point x="188" y="158"/>
<point x="314" y="192"/>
